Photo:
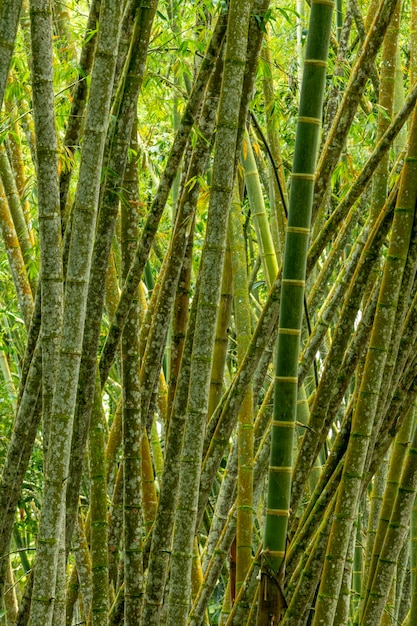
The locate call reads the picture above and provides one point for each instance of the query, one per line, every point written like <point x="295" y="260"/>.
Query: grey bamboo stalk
<point x="105" y="227"/>
<point x="245" y="419"/>
<point x="9" y="22"/>
<point x="18" y="454"/>
<point x="376" y="498"/>
<point x="391" y="489"/>
<point x="363" y="418"/>
<point x="386" y="102"/>
<point x="328" y="309"/>
<point x="291" y="309"/>
<point x="413" y="563"/>
<point x="192" y="108"/>
<point x="48" y="201"/>
<point x="162" y="532"/>
<point x="307" y="575"/>
<point x="209" y="296"/>
<point x="83" y="564"/>
<point x="222" y="548"/>
<point x="396" y="535"/>
<point x="79" y="260"/>
<point x="225" y="497"/>
<point x="181" y="238"/>
<point x="131" y="411"/>
<point x="102" y="246"/>
<point x="98" y="510"/>
<point x="71" y="139"/>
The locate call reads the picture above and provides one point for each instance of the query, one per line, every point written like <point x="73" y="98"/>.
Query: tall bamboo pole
<point x="63" y="404"/>
<point x="271" y="601"/>
<point x="209" y="296"/>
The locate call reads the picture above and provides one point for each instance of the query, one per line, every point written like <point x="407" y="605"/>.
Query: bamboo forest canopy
<point x="208" y="312"/>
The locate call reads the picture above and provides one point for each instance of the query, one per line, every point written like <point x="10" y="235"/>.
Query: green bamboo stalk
<point x="358" y="563"/>
<point x="292" y="296"/>
<point x="260" y="219"/>
<point x="364" y="415"/>
<point x="278" y="216"/>
<point x="221" y="341"/>
<point x="14" y="145"/>
<point x="16" y="260"/>
<point x="79" y="260"/>
<point x="209" y="297"/>
<point x="10" y="597"/>
<point x="413" y="563"/>
<point x="16" y="210"/>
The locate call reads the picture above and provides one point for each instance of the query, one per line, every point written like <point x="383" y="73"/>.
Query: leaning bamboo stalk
<point x="15" y="205"/>
<point x="16" y="260"/>
<point x="362" y="179"/>
<point x="364" y="415"/>
<point x="161" y="196"/>
<point x="391" y="489"/>
<point x="291" y="309"/>
<point x="328" y="391"/>
<point x="396" y="534"/>
<point x="345" y="114"/>
<point x="258" y="210"/>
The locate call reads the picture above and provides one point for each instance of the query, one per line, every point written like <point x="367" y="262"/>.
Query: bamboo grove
<point x="208" y="313"/>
